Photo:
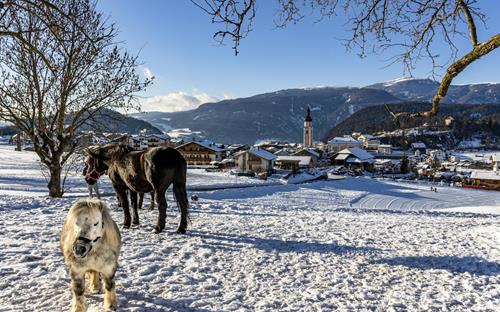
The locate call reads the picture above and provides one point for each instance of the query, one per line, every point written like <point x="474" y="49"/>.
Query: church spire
<point x="308" y="117"/>
<point x="308" y="129"/>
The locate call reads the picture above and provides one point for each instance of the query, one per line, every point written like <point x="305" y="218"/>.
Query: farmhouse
<point x="144" y="141"/>
<point x="339" y="143"/>
<point x="256" y="160"/>
<point x="293" y="162"/>
<point x="314" y="155"/>
<point x="485" y="179"/>
<point x="201" y="152"/>
<point x="353" y="157"/>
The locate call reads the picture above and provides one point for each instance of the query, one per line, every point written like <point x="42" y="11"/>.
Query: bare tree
<point x="58" y="73"/>
<point x="411" y="27"/>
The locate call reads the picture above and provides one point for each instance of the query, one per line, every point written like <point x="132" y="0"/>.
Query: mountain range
<point x="279" y="115"/>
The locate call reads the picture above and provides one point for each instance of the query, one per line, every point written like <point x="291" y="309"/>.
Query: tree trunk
<point x="55" y="183"/>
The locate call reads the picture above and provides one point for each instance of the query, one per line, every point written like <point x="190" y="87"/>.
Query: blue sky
<point x="174" y="41"/>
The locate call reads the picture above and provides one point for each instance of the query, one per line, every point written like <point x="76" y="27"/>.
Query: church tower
<point x="308" y="129"/>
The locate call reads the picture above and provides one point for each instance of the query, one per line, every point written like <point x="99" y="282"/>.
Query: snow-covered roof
<point x="418" y="145"/>
<point x="310" y="151"/>
<point x="259" y="153"/>
<point x="344" y="140"/>
<point x="485" y="175"/>
<point x="357" y="152"/>
<point x="207" y="144"/>
<point x="303" y="160"/>
<point x="385" y="145"/>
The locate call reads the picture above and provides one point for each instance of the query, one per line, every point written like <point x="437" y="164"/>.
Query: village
<point x="354" y="154"/>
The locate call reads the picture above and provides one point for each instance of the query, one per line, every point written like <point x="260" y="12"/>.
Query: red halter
<point x="94" y="169"/>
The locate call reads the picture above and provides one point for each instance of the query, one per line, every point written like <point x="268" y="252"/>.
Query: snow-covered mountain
<point x="280" y="115"/>
<point x="413" y="89"/>
<point x="276" y="115"/>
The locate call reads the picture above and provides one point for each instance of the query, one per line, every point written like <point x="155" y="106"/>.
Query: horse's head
<point x="100" y="157"/>
<point x="96" y="163"/>
<point x="88" y="226"/>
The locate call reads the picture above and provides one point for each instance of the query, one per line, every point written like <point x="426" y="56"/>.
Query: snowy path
<point x="349" y="245"/>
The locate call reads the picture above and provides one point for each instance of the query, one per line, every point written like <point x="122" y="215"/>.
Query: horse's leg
<point x="78" y="286"/>
<point x="183" y="203"/>
<point x="152" y="202"/>
<point x="133" y="199"/>
<point x="162" y="209"/>
<point x="121" y="192"/>
<point x="95" y="282"/>
<point x="97" y="189"/>
<point x="110" y="302"/>
<point x="141" y="200"/>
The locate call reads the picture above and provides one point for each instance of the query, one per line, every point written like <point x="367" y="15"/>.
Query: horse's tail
<point x="180" y="192"/>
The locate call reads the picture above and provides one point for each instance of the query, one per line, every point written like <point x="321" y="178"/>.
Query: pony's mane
<point x="111" y="234"/>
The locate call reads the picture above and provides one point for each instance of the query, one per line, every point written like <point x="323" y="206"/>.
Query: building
<point x="308" y="129"/>
<point x="254" y="159"/>
<point x="145" y="141"/>
<point x="293" y="162"/>
<point x="339" y="143"/>
<point x="353" y="157"/>
<point x="419" y="148"/>
<point x="495" y="159"/>
<point x="385" y="149"/>
<point x="201" y="152"/>
<point x="483" y="179"/>
<point x="308" y="152"/>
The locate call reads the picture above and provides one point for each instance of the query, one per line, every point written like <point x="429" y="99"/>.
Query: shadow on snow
<point x="277" y="245"/>
<point x="455" y="264"/>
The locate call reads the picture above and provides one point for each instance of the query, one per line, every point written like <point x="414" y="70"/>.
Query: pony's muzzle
<point x="81" y="248"/>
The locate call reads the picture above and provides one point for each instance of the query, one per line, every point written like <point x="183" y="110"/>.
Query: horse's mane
<point x="111" y="234"/>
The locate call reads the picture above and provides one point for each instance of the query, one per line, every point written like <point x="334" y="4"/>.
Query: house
<point x="255" y="159"/>
<point x="339" y="143"/>
<point x="309" y="152"/>
<point x="293" y="162"/>
<point x="369" y="141"/>
<point x="495" y="159"/>
<point x="282" y="152"/>
<point x="145" y="141"/>
<point x="234" y="148"/>
<point x="353" y="157"/>
<point x="485" y="179"/>
<point x="201" y="152"/>
<point x="385" y="149"/>
<point x="418" y="148"/>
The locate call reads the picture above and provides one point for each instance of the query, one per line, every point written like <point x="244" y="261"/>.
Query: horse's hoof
<point x="135" y="223"/>
<point x="158" y="230"/>
<point x="126" y="226"/>
<point x="181" y="231"/>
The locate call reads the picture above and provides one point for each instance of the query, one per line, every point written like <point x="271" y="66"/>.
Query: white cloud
<point x="147" y="73"/>
<point x="175" y="102"/>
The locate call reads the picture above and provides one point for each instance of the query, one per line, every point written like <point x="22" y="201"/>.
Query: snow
<point x="259" y="153"/>
<point x="343" y="140"/>
<point x="485" y="175"/>
<point x="398" y="80"/>
<point x="359" y="153"/>
<point x="355" y="244"/>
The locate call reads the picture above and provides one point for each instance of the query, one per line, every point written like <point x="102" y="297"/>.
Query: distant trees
<point x="60" y="67"/>
<point x="412" y="28"/>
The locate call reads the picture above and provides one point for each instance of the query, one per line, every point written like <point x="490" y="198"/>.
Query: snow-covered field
<point x="346" y="245"/>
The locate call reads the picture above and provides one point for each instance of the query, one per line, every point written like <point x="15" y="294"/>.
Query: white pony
<point x="90" y="243"/>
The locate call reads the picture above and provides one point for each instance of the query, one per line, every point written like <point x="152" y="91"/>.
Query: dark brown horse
<point x="152" y="170"/>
